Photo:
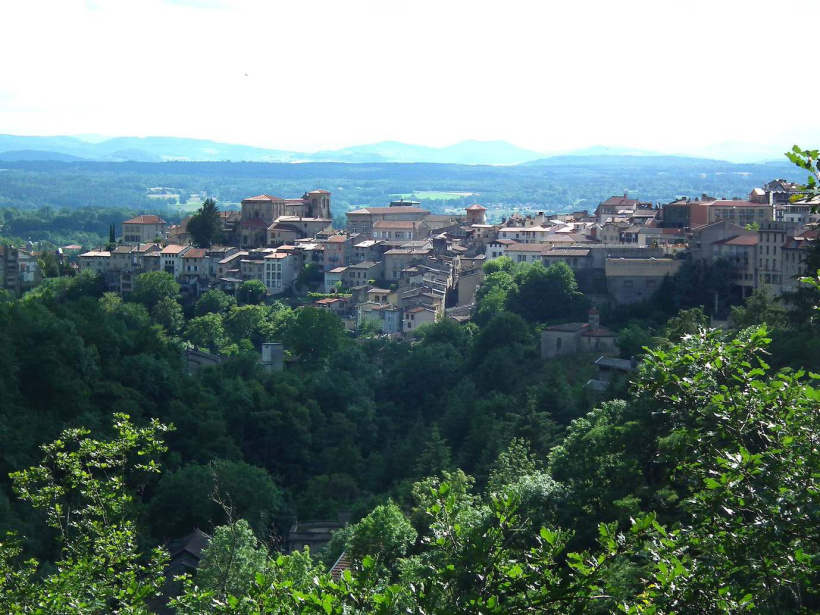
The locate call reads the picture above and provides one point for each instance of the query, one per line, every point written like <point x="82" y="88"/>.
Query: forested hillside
<point x="477" y="469"/>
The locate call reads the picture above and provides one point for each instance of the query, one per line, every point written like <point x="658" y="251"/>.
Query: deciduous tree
<point x="205" y="225"/>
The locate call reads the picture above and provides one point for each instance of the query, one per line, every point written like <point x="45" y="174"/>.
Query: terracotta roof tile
<point x="262" y="198"/>
<point x="145" y="220"/>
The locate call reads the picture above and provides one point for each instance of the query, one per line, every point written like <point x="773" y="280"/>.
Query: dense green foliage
<point x="534" y="292"/>
<point x="482" y="478"/>
<point x="685" y="468"/>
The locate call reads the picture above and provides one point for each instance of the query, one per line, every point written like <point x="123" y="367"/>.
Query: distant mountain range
<point x="160" y="149"/>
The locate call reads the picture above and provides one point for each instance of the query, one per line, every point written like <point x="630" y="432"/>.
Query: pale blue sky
<point x="669" y="76"/>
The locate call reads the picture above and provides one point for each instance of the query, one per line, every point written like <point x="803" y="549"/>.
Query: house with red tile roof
<point x="143" y="229"/>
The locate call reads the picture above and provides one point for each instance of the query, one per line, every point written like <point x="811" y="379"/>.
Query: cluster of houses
<point x="402" y="266"/>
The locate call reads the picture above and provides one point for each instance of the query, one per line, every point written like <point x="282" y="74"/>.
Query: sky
<point x="307" y="75"/>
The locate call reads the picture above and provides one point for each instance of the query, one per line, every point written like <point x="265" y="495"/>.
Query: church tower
<point x="318" y="204"/>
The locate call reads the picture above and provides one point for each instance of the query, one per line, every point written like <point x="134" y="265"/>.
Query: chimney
<point x="594" y="318"/>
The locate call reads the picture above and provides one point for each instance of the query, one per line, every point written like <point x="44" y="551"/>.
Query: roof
<point x="145" y="220"/>
<point x="96" y="253"/>
<point x="525" y="229"/>
<point x="277" y="256"/>
<point x="279" y="226"/>
<point x="735" y="203"/>
<point x="623" y="201"/>
<point x="318" y="192"/>
<point x="378" y="290"/>
<point x="233" y="256"/>
<point x="476" y="207"/>
<point x="338" y="270"/>
<point x="418" y="308"/>
<point x="602" y="332"/>
<point x="569" y="327"/>
<point x="342" y="564"/>
<point x="173" y="249"/>
<point x="399" y="209"/>
<point x="396" y="251"/>
<point x="302" y="219"/>
<point x="196" y="253"/>
<point x="147" y="247"/>
<point x="567" y="252"/>
<point x="194" y="543"/>
<point x="122" y="250"/>
<point x="741" y="240"/>
<point x="363" y="265"/>
<point x="620" y="364"/>
<point x="329" y="300"/>
<point x="262" y="198"/>
<point x="338" y="239"/>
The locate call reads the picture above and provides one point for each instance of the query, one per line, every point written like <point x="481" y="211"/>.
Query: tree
<point x="809" y="160"/>
<point x="544" y="293"/>
<point x="745" y="446"/>
<point x="369" y="327"/>
<point x="168" y="314"/>
<point x="215" y="494"/>
<point x="435" y="457"/>
<point x="503" y="263"/>
<point x="214" y="302"/>
<point x="632" y="339"/>
<point x="251" y="292"/>
<point x="310" y="276"/>
<point x="491" y="296"/>
<point x="447" y="331"/>
<point x="206" y="332"/>
<point x="506" y="330"/>
<point x="758" y="309"/>
<point x="152" y="287"/>
<point x="205" y="225"/>
<point x="384" y="535"/>
<point x="49" y="265"/>
<point x="686" y="322"/>
<point x="84" y="486"/>
<point x="314" y="335"/>
<point x="257" y="323"/>
<point x="231" y="560"/>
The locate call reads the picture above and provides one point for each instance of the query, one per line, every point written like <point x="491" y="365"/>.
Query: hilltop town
<point x="401" y="266"/>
